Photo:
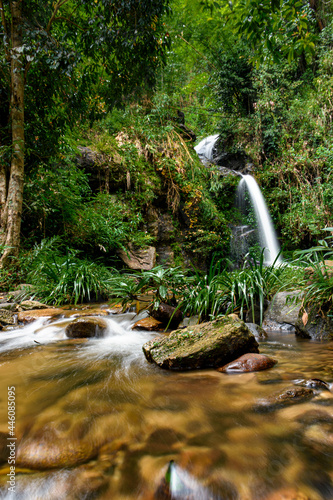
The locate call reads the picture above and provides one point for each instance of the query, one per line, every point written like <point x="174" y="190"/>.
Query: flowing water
<point x="266" y="231"/>
<point x="205" y="148"/>
<point x="95" y="420"/>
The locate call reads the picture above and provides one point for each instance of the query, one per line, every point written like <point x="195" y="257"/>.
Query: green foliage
<point x="164" y="283"/>
<point x="107" y="224"/>
<point x="79" y="59"/>
<point x="64" y="278"/>
<point x="317" y="282"/>
<point x="222" y="292"/>
<point x="234" y="88"/>
<point x="52" y="194"/>
<point x="250" y="286"/>
<point x="206" y="297"/>
<point x="160" y="284"/>
<point x="275" y="27"/>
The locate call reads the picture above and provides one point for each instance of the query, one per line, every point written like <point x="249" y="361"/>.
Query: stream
<point x="93" y="419"/>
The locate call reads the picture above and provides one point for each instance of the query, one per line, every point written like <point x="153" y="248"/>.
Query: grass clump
<point x="59" y="276"/>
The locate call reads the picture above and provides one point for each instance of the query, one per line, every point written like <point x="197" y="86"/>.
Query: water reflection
<point x="95" y="420"/>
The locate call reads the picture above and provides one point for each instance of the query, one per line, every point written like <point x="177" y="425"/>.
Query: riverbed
<point x="93" y="419"/>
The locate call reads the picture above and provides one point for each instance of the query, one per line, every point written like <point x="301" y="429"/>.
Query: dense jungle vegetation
<point x="119" y="78"/>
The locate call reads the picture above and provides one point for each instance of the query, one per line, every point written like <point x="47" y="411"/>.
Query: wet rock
<point x="28" y="305"/>
<point x="257" y="330"/>
<point x="205" y="345"/>
<point x="7" y="318"/>
<point x="315" y="326"/>
<point x="30" y="316"/>
<point x="290" y="396"/>
<point x="150" y="324"/>
<point x="314" y="383"/>
<point x="139" y="258"/>
<point x="85" y="328"/>
<point x="250" y="362"/>
<point x="284" y="308"/>
<point x="167" y="315"/>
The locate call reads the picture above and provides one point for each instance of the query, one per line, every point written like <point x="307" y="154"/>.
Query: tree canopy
<point x="59" y="61"/>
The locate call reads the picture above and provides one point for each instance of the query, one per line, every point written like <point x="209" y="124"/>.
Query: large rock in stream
<point x="207" y="345"/>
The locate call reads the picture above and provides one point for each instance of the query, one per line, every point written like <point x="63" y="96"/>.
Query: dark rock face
<point x="249" y="363"/>
<point x="202" y="346"/>
<point x="138" y="258"/>
<point x="316" y="326"/>
<point x="85" y="328"/>
<point x="165" y="312"/>
<point x="290" y="396"/>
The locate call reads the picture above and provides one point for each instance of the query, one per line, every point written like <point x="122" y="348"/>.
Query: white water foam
<point x="205" y="148"/>
<point x="267" y="235"/>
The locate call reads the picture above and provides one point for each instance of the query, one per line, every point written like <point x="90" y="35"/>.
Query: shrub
<point x="64" y="278"/>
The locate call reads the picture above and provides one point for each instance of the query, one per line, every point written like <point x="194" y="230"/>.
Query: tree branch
<point x="59" y="4"/>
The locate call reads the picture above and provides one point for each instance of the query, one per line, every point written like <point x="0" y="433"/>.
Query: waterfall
<point x="244" y="235"/>
<point x="205" y="148"/>
<point x="267" y="235"/>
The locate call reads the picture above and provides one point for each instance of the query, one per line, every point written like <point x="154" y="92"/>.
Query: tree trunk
<point x="12" y="195"/>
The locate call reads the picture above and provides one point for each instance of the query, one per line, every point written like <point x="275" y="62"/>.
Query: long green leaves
<point x="222" y="292"/>
<point x="65" y="278"/>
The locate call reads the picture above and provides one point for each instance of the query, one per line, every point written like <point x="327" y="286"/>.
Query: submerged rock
<point x="249" y="362"/>
<point x="86" y="327"/>
<point x="290" y="396"/>
<point x="205" y="345"/>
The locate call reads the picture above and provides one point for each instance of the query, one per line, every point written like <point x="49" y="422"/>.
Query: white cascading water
<point x="205" y="148"/>
<point x="267" y="235"/>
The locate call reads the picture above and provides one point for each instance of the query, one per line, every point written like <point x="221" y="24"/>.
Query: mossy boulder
<point x="207" y="345"/>
<point x="7" y="318"/>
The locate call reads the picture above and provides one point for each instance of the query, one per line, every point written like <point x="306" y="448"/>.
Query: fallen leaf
<point x="305" y="318"/>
